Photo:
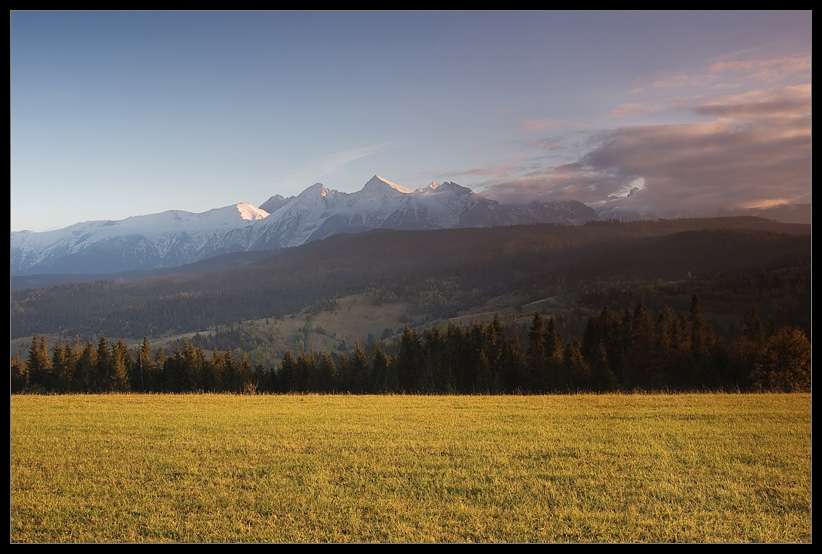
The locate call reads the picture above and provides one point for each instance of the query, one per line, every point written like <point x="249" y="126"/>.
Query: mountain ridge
<point x="174" y="237"/>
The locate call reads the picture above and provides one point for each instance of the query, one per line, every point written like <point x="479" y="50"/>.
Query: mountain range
<point x="174" y="238"/>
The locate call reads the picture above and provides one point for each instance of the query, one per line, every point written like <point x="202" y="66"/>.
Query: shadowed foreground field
<point x="578" y="468"/>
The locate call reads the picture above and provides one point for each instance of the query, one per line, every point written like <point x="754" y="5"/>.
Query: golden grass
<point x="420" y="469"/>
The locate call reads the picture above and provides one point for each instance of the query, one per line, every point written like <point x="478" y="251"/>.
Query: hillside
<point x="421" y="277"/>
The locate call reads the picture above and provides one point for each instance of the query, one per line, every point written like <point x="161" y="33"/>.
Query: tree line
<point x="619" y="351"/>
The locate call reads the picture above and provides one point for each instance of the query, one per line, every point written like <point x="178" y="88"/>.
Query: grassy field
<point x="419" y="469"/>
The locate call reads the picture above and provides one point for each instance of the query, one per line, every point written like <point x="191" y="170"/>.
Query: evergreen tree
<point x="458" y="375"/>
<point x="121" y="362"/>
<point x="285" y="372"/>
<point x="192" y="368"/>
<point x="173" y="370"/>
<point x="379" y="368"/>
<point x="432" y="374"/>
<point x="245" y="376"/>
<point x="536" y="358"/>
<point x="744" y="352"/>
<point x="555" y="353"/>
<point x="409" y="361"/>
<point x="305" y="370"/>
<point x="639" y="350"/>
<point x="671" y="351"/>
<point x="86" y="370"/>
<point x="576" y="374"/>
<point x="142" y="377"/>
<point x="702" y="347"/>
<point x="605" y="330"/>
<point x="62" y="365"/>
<point x="215" y="371"/>
<point x="39" y="363"/>
<point x="602" y="377"/>
<point x="19" y="375"/>
<point x="160" y="366"/>
<point x="360" y="370"/>
<point x="103" y="379"/>
<point x="326" y="373"/>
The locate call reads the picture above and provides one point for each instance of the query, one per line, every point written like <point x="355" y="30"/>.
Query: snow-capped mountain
<point x="174" y="238"/>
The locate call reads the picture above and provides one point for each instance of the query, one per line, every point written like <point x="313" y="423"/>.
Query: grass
<point x="419" y="469"/>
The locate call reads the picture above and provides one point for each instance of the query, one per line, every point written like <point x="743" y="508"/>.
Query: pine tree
<point x="379" y="368"/>
<point x="702" y="347"/>
<point x="326" y="373"/>
<point x="19" y="375"/>
<point x="285" y="372"/>
<point x="62" y="365"/>
<point x="360" y="370"/>
<point x="575" y="368"/>
<point x="39" y="364"/>
<point x="639" y="349"/>
<point x="409" y="361"/>
<point x="305" y="370"/>
<point x="142" y="377"/>
<point x="555" y="353"/>
<point x="86" y="370"/>
<point x="103" y="376"/>
<point x="160" y="366"/>
<point x="121" y="362"/>
<point x="536" y="357"/>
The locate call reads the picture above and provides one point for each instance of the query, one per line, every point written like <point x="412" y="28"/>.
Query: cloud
<point x="331" y="164"/>
<point x="748" y="149"/>
<point x="770" y="70"/>
<point x="542" y="125"/>
<point x="635" y="108"/>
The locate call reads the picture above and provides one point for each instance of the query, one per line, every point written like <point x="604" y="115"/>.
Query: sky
<point x="118" y="114"/>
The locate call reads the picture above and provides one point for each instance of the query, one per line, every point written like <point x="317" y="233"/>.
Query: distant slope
<point x="460" y="267"/>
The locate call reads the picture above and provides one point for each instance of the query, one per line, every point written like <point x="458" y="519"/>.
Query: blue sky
<point x="115" y="114"/>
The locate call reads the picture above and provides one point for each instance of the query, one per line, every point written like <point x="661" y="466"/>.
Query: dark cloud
<point x="755" y="151"/>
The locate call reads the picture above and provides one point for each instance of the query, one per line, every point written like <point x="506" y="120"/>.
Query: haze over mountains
<point x="174" y="238"/>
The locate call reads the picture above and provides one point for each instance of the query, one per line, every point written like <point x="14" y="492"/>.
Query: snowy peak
<point x="378" y="183"/>
<point x="315" y="190"/>
<point x="250" y="213"/>
<point x="174" y="238"/>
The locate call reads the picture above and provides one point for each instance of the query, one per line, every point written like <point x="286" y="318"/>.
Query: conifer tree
<point x="141" y="379"/>
<point x="379" y="368"/>
<point x="160" y="366"/>
<point x="639" y="349"/>
<point x="409" y="361"/>
<point x="360" y="370"/>
<point x="576" y="374"/>
<point x="285" y="372"/>
<point x="121" y="362"/>
<point x="536" y="357"/>
<point x="18" y="374"/>
<point x="103" y="376"/>
<point x="702" y="347"/>
<point x="39" y="363"/>
<point x="326" y="373"/>
<point x="85" y="375"/>
<point x="305" y="370"/>
<point x="62" y="366"/>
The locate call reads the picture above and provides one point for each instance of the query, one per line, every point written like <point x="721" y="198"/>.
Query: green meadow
<point x="586" y="468"/>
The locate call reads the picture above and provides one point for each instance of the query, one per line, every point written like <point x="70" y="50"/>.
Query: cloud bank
<point x="748" y="144"/>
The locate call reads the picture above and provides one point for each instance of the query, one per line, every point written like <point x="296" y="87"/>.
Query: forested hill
<point x="455" y="269"/>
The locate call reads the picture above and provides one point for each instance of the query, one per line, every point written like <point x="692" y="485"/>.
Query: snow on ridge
<point x="250" y="212"/>
<point x="377" y="180"/>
